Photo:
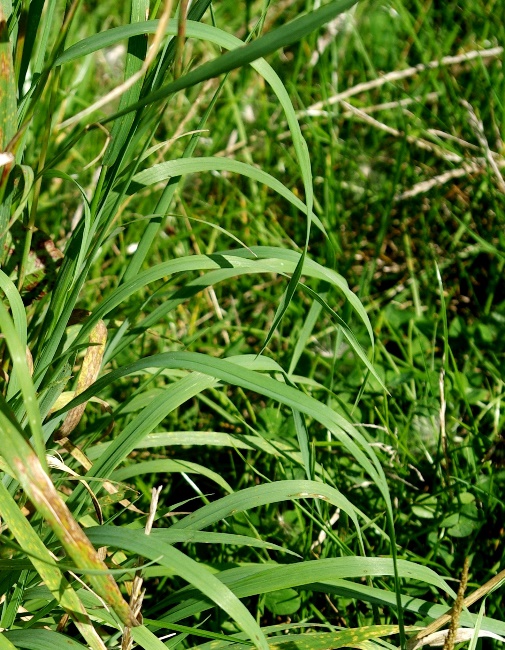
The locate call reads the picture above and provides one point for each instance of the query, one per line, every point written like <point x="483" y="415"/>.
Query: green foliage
<point x="321" y="406"/>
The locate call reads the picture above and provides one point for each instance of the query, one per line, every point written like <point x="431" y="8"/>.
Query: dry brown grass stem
<point x="137" y="592"/>
<point x="441" y="179"/>
<point x="478" y="129"/>
<point x="467" y="602"/>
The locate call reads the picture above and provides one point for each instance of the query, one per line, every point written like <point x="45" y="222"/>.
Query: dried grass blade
<point x="40" y="490"/>
<point x="39" y="556"/>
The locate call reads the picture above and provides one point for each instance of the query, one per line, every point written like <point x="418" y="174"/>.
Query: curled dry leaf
<point x="89" y="372"/>
<point x="91" y="365"/>
<point x="55" y="462"/>
<point x="29" y="360"/>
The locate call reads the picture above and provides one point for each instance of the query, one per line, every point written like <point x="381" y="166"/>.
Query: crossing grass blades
<point x="114" y="383"/>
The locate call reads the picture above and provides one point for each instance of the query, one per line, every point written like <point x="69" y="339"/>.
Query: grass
<point x="273" y="288"/>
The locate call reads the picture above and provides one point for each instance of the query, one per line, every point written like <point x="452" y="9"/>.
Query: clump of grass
<point x="175" y="315"/>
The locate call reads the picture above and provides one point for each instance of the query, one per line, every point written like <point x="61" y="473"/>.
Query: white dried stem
<point x="137" y="593"/>
<point x="338" y="24"/>
<point x="323" y="534"/>
<point x="440" y="179"/>
<point x="421" y="143"/>
<point x="397" y="75"/>
<point x="478" y="129"/>
<point x="400" y="103"/>
<point x="462" y="634"/>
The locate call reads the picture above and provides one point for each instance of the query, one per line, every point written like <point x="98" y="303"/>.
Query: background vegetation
<point x="321" y="407"/>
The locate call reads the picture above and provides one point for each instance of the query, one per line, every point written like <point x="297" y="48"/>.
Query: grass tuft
<point x="251" y="309"/>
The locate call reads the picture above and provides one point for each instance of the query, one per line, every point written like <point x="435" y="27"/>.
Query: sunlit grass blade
<point x="149" y="418"/>
<point x="166" y="170"/>
<point x="307" y="328"/>
<point x="371" y="428"/>
<point x="262" y="494"/>
<point x="174" y="536"/>
<point x="273" y="260"/>
<point x="285" y="301"/>
<point x="225" y="40"/>
<point x="261" y="579"/>
<point x="40" y="639"/>
<point x="214" y="438"/>
<point x="137" y="50"/>
<point x="317" y="640"/>
<point x="167" y="466"/>
<point x="44" y="496"/>
<point x="282" y="262"/>
<point x="188" y="604"/>
<point x="146" y="639"/>
<point x="20" y="366"/>
<point x="233" y="374"/>
<point x="281" y="37"/>
<point x="195" y="631"/>
<point x="166" y="555"/>
<point x="43" y="562"/>
<point x="5" y="644"/>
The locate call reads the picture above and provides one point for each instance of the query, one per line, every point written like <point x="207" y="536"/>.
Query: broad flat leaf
<point x="39" y="639"/>
<point x="317" y="640"/>
<point x="284" y="602"/>
<point x="464" y="522"/>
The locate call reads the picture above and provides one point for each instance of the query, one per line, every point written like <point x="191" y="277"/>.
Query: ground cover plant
<point x="251" y="313"/>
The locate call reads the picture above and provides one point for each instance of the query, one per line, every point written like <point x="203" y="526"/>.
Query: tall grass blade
<point x="43" y="562"/>
<point x="38" y="487"/>
<point x="282" y="37"/>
